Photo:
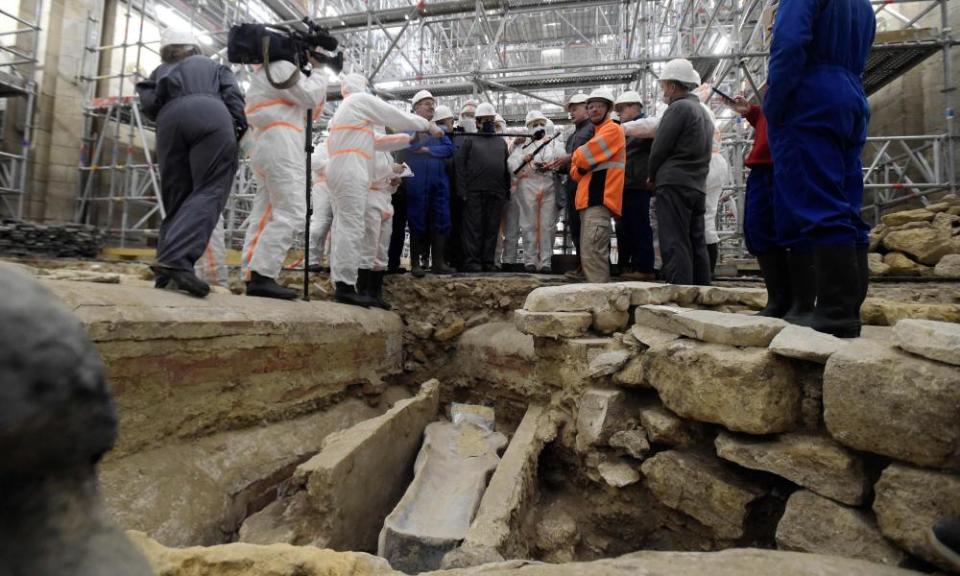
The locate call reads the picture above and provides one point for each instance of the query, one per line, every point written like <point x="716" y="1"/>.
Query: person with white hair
<point x="198" y="107"/>
<point x="678" y="167"/>
<point x="535" y="192"/>
<point x="279" y="166"/>
<point x="351" y="147"/>
<point x="468" y="117"/>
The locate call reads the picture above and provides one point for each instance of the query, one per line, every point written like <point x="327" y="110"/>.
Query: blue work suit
<point x="759" y="214"/>
<point x="428" y="191"/>
<point x="817" y="116"/>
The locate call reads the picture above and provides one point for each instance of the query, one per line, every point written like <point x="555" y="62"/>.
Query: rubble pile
<point x="19" y="238"/>
<point x="919" y="242"/>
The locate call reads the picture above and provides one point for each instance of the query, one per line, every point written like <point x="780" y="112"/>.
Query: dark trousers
<point x="680" y="225"/>
<point x="454" y="253"/>
<point x="634" y="232"/>
<point x="573" y="217"/>
<point x="399" y="236"/>
<point x="197" y="154"/>
<point x="759" y="215"/>
<point x="482" y="210"/>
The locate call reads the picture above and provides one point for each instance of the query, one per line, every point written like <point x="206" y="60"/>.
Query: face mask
<point x="445" y="127"/>
<point x="489" y="127"/>
<point x="550" y="129"/>
<point x="469" y="125"/>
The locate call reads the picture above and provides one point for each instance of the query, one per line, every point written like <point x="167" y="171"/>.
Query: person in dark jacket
<point x="483" y="181"/>
<point x="634" y="232"/>
<point x="678" y="166"/>
<point x="817" y="117"/>
<point x="198" y="108"/>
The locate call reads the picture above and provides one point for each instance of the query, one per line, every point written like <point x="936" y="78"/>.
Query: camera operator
<point x="198" y="108"/>
<point x="279" y="165"/>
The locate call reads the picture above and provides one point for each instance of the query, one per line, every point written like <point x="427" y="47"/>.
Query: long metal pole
<point x="949" y="91"/>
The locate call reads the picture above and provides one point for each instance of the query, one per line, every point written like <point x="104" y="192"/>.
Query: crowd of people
<point x="468" y="190"/>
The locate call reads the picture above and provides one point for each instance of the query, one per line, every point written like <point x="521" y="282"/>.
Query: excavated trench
<point x="250" y="422"/>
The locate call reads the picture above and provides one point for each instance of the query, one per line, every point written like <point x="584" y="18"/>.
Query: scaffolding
<point x="522" y="54"/>
<point x="18" y="79"/>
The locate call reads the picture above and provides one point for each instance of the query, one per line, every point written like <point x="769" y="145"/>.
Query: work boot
<point x="315" y="268"/>
<point x="575" y="275"/>
<point x="944" y="538"/>
<point x="863" y="266"/>
<point x="530" y="269"/>
<point x="439" y="249"/>
<point x="347" y="294"/>
<point x="265" y="287"/>
<point x="776" y="275"/>
<point x="838" y="292"/>
<point x="375" y="290"/>
<point x="363" y="281"/>
<point x="182" y="280"/>
<point x="416" y="250"/>
<point x="803" y="286"/>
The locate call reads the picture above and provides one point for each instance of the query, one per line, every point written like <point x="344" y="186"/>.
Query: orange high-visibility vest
<point x="603" y="159"/>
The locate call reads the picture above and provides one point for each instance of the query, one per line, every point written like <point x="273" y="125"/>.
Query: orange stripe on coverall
<point x="253" y="245"/>
<point x="211" y="263"/>
<point x="352" y="128"/>
<point x="357" y="151"/>
<point x="267" y="104"/>
<point x="281" y="124"/>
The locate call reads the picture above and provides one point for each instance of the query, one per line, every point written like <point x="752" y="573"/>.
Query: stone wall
<point x="718" y="414"/>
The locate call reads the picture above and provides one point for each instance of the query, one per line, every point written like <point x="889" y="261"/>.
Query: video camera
<point x="264" y="43"/>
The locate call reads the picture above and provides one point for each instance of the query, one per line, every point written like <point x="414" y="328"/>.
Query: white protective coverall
<point x="278" y="163"/>
<point x="351" y="149"/>
<point x="322" y="217"/>
<point x="379" y="212"/>
<point x="535" y="194"/>
<point x="212" y="266"/>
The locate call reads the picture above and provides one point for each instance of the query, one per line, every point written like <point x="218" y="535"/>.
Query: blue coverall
<point x="817" y="116"/>
<point x="429" y="189"/>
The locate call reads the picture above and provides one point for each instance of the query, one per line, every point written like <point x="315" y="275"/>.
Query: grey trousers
<point x="197" y="153"/>
<point x="680" y="226"/>
<point x="595" y="231"/>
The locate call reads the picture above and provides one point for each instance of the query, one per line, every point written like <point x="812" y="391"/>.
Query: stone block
<point x="926" y="245"/>
<point x="618" y="473"/>
<point x="601" y="413"/>
<point x="814" y="462"/>
<point x="804" y="343"/>
<point x="607" y="363"/>
<point x="662" y="318"/>
<point x="948" y="266"/>
<point x="512" y="492"/>
<point x="702" y="487"/>
<point x="879" y="399"/>
<point x="731" y="329"/>
<point x="909" y="501"/>
<point x="899" y="264"/>
<point x="907" y="216"/>
<point x="664" y="427"/>
<point x="633" y="442"/>
<point x="745" y="390"/>
<point x="553" y="324"/>
<point x="642" y="293"/>
<point x="948" y="222"/>
<point x="578" y="298"/>
<point x="877" y="266"/>
<point x="650" y="337"/>
<point x="631" y="375"/>
<point x="754" y="298"/>
<point x="882" y="312"/>
<point x="557" y="536"/>
<point x="609" y="320"/>
<point x="450" y="477"/>
<point x="818" y="525"/>
<point x="933" y="340"/>
<point x="370" y="454"/>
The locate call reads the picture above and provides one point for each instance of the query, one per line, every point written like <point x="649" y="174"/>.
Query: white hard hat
<point x="486" y="109"/>
<point x="578" y="98"/>
<point x="469" y="104"/>
<point x="177" y="36"/>
<point x="421" y="95"/>
<point x="680" y="70"/>
<point x="629" y="97"/>
<point x="533" y="116"/>
<point x="442" y="113"/>
<point x="601" y="94"/>
<point x="353" y="84"/>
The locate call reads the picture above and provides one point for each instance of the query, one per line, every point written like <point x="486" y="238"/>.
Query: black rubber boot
<point x="944" y="538"/>
<point x="863" y="266"/>
<point x="416" y="252"/>
<point x="363" y="281"/>
<point x="439" y="249"/>
<point x="347" y="294"/>
<point x="264" y="287"/>
<point x="776" y="275"/>
<point x="182" y="280"/>
<point x="375" y="290"/>
<point x="837" y="311"/>
<point x="803" y="287"/>
<point x="315" y="268"/>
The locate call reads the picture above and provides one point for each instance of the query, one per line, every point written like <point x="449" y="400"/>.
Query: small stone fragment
<point x="664" y="427"/>
<point x="633" y="441"/>
<point x="805" y="343"/>
<point x="948" y="266"/>
<point x="662" y="318"/>
<point x="602" y="412"/>
<point x="608" y="363"/>
<point x="553" y="324"/>
<point x="934" y="340"/>
<point x="618" y="473"/>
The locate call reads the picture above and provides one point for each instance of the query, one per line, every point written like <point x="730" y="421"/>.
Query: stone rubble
<point x="731" y="329"/>
<point x="601" y="412"/>
<point x="553" y="324"/>
<point x="934" y="340"/>
<point x="804" y="343"/>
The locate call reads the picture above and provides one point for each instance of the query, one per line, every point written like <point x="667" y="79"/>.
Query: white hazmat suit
<point x="279" y="164"/>
<point x="379" y="211"/>
<point x="212" y="266"/>
<point x="322" y="218"/>
<point x="351" y="165"/>
<point x="535" y="193"/>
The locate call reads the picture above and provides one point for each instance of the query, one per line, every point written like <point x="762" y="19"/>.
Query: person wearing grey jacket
<point x="678" y="167"/>
<point x="198" y="107"/>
